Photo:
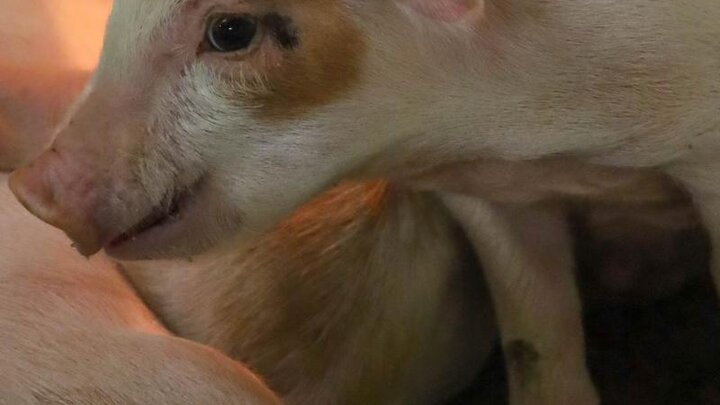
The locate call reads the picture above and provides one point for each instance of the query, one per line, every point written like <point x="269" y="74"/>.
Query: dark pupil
<point x="229" y="34"/>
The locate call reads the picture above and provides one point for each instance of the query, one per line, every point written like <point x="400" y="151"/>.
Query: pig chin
<point x="180" y="228"/>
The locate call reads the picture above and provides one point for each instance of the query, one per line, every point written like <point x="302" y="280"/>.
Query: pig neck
<point x="327" y="290"/>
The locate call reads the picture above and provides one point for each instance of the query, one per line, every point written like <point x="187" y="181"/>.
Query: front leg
<point x="527" y="258"/>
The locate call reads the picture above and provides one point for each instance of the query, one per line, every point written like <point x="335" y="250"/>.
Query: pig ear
<point x="448" y="11"/>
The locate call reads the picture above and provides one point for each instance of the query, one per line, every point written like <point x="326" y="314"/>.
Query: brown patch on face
<point x="322" y="68"/>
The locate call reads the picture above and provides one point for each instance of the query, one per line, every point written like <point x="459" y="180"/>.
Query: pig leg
<point x="526" y="254"/>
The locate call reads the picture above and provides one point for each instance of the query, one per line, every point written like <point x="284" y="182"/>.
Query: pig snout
<point x="61" y="192"/>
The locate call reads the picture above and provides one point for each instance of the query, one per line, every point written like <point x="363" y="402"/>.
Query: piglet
<point x="211" y="120"/>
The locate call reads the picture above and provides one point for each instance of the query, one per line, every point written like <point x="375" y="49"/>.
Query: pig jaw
<point x="163" y="231"/>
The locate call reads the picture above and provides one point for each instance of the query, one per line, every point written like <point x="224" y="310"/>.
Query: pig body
<point x="223" y="135"/>
<point x="369" y="294"/>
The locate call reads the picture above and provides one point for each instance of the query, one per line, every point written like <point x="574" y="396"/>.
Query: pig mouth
<point x="160" y="216"/>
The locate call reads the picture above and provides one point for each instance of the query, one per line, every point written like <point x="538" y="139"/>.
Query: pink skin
<point x="45" y="60"/>
<point x="32" y="102"/>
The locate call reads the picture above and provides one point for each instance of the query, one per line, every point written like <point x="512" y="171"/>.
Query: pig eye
<point x="231" y="33"/>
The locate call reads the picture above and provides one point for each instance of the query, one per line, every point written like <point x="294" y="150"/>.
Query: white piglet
<point x="210" y="120"/>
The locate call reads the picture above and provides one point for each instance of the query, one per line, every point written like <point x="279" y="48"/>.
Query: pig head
<point x="174" y="143"/>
